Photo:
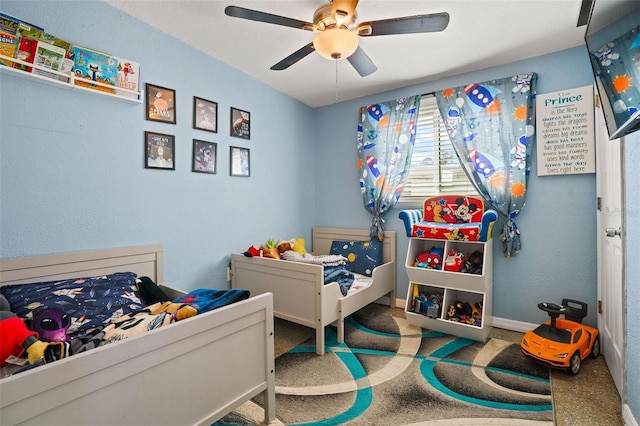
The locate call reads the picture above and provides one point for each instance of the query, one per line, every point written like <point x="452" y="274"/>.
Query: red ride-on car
<point x="562" y="343"/>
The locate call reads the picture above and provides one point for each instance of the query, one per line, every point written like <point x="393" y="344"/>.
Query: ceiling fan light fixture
<point x="335" y="43"/>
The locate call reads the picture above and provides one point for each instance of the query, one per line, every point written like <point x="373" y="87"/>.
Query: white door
<point x="611" y="302"/>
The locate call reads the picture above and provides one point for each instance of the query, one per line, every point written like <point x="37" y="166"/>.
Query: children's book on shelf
<point x="50" y="57"/>
<point x="26" y="51"/>
<point x="8" y="30"/>
<point x="67" y="63"/>
<point x="27" y="36"/>
<point x="128" y="77"/>
<point x="91" y="66"/>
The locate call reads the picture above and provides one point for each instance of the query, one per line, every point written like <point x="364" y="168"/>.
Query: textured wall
<point x="72" y="165"/>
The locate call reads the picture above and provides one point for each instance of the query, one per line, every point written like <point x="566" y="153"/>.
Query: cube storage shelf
<point x="450" y="287"/>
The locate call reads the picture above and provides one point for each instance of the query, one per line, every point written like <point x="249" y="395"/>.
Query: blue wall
<point x="72" y="164"/>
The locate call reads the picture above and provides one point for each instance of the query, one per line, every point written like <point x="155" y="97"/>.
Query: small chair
<point x="450" y="217"/>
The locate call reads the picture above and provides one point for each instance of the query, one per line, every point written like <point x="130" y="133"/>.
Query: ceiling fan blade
<point x="294" y="57"/>
<point x="362" y="63"/>
<point x="343" y="10"/>
<point x="255" y="15"/>
<point x="433" y="22"/>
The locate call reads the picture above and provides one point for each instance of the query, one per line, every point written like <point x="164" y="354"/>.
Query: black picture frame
<point x="204" y="157"/>
<point x="159" y="151"/>
<point x="239" y="161"/>
<point x="205" y="115"/>
<point x="240" y="123"/>
<point x="160" y="104"/>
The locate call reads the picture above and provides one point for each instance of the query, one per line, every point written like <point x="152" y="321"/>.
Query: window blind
<point x="435" y="168"/>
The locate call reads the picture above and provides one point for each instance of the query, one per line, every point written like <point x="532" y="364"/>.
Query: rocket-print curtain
<point x="491" y="126"/>
<point x="386" y="133"/>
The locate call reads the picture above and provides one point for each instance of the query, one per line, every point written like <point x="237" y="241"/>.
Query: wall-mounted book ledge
<point x="42" y="74"/>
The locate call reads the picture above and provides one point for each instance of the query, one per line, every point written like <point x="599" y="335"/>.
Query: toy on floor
<point x="562" y="342"/>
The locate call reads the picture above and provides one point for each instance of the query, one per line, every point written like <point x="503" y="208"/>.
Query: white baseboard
<point x="627" y="416"/>
<point x="503" y="323"/>
<point x="512" y="325"/>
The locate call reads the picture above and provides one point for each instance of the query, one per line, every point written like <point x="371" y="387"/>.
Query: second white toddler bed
<point x="300" y="294"/>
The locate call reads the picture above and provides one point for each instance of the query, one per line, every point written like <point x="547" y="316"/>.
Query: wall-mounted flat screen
<point x="613" y="42"/>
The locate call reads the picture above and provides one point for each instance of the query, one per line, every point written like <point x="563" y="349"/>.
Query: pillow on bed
<point x="362" y="256"/>
<point x="89" y="302"/>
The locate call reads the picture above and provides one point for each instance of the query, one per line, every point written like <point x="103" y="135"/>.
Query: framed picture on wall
<point x="159" y="151"/>
<point x="205" y="115"/>
<point x="160" y="104"/>
<point x="204" y="157"/>
<point x="239" y="163"/>
<point x="240" y="123"/>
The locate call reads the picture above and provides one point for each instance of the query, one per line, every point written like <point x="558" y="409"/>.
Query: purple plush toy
<point x="51" y="324"/>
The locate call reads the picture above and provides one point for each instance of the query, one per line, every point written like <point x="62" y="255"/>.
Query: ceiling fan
<point x="337" y="32"/>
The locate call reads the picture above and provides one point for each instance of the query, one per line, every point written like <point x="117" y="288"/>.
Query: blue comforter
<point x="339" y="274"/>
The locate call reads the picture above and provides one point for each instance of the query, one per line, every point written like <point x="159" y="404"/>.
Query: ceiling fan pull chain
<point x="336" y="61"/>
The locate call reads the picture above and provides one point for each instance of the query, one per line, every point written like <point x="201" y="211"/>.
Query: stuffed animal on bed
<point x="285" y="245"/>
<point x="15" y="338"/>
<point x="152" y="317"/>
<point x="269" y="249"/>
<point x="299" y="246"/>
<point x="51" y="324"/>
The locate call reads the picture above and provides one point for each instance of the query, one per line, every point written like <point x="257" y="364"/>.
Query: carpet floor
<point x="388" y="372"/>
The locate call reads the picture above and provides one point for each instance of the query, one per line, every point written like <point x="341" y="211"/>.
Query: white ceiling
<point x="481" y="34"/>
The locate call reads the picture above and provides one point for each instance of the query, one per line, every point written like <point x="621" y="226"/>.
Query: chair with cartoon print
<point x="450" y="217"/>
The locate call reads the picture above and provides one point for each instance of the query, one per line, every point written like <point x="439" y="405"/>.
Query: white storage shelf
<point x="67" y="81"/>
<point x="451" y="287"/>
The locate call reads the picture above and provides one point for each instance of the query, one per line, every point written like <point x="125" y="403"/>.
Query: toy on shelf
<point x="562" y="342"/>
<point x="465" y="313"/>
<point x="476" y="313"/>
<point x="455" y="261"/>
<point x="473" y="264"/>
<point x="430" y="259"/>
<point x="427" y="304"/>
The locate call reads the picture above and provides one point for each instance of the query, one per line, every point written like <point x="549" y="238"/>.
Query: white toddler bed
<point x="192" y="372"/>
<point x="299" y="292"/>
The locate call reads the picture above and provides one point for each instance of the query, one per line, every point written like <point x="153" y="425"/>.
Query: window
<point x="435" y="168"/>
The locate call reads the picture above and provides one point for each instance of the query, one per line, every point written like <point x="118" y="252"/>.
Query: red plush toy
<point x="15" y="338"/>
